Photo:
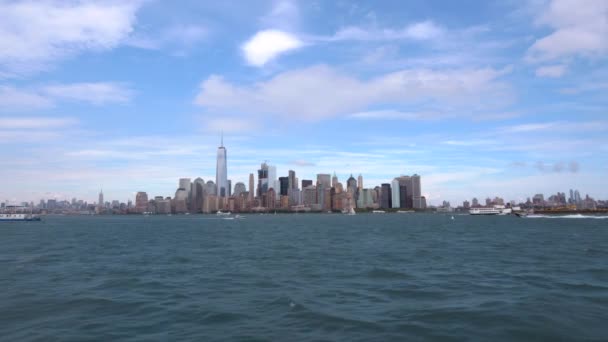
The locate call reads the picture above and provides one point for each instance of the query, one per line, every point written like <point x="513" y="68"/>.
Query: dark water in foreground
<point x="304" y="277"/>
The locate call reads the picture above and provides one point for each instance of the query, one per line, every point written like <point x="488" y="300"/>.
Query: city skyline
<point x="482" y="99"/>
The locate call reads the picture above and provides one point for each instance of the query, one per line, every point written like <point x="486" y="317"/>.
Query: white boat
<point x="220" y="213"/>
<point x="18" y="217"/>
<point x="494" y="210"/>
<point x="378" y="212"/>
<point x="405" y="211"/>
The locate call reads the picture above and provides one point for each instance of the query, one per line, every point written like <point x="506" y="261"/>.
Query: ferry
<point x="495" y="210"/>
<point x="221" y="213"/>
<point x="378" y="212"/>
<point x="18" y="217"/>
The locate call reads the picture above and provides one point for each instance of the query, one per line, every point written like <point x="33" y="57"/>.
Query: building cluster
<point x="286" y="193"/>
<point x="556" y="202"/>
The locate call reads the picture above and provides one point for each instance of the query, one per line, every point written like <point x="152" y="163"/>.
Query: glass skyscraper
<point x="221" y="173"/>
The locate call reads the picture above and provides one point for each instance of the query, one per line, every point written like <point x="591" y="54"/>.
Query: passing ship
<point x="494" y="210"/>
<point x="18" y="217"/>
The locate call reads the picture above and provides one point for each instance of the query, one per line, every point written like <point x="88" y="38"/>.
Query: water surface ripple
<point x="304" y="277"/>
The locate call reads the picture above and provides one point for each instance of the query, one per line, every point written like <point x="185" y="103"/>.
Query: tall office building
<point x="184" y="183"/>
<point x="351" y="184"/>
<point x="360" y="182"/>
<point x="251" y="192"/>
<point x="334" y="180"/>
<point x="141" y="202"/>
<point x="324" y="180"/>
<point x="221" y="172"/>
<point x="198" y="195"/>
<point x="385" y="196"/>
<point x="416" y="193"/>
<point x="413" y="198"/>
<point x="273" y="183"/>
<point x="262" y="179"/>
<point x="100" y="199"/>
<point x="211" y="188"/>
<point x="306" y="183"/>
<point x="293" y="183"/>
<point x="239" y="188"/>
<point x="396" y="194"/>
<point x="284" y="186"/>
<point x="229" y="187"/>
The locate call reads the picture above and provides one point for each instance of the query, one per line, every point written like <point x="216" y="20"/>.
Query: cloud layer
<point x="321" y="92"/>
<point x="36" y="33"/>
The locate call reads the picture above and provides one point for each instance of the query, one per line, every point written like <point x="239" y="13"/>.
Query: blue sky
<point x="481" y="98"/>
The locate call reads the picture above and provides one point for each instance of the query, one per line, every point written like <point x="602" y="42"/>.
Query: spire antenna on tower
<point x="222" y="139"/>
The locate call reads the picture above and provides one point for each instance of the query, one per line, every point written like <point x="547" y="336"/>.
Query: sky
<point x="481" y="98"/>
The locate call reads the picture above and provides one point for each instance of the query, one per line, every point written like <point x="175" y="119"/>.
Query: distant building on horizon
<point x="221" y="172"/>
<point x="141" y="202"/>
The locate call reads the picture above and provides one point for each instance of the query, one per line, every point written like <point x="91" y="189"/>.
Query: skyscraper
<point x="396" y="194"/>
<point x="360" y="182"/>
<point x="141" y="202"/>
<point x="284" y="186"/>
<point x="239" y="188"/>
<point x="385" y="196"/>
<point x="221" y="173"/>
<point x="251" y="180"/>
<point x="351" y="184"/>
<point x="262" y="179"/>
<point x="100" y="203"/>
<point x="293" y="183"/>
<point x="306" y="183"/>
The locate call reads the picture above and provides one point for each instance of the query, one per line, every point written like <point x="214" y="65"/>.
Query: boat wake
<point x="574" y="216"/>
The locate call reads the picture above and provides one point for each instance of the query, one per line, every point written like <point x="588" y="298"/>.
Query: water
<point x="304" y="277"/>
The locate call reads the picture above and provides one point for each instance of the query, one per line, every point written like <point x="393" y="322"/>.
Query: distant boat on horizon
<point x="19" y="217"/>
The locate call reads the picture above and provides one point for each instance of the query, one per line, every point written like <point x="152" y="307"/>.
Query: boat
<point x="221" y="213"/>
<point x="378" y="212"/>
<point x="18" y="217"/>
<point x="494" y="210"/>
<point x="405" y="211"/>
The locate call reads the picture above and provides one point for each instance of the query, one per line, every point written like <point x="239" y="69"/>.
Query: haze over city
<point x="481" y="99"/>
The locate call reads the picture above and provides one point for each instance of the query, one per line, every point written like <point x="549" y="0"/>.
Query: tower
<point x="251" y="187"/>
<point x="221" y="174"/>
<point x="100" y="203"/>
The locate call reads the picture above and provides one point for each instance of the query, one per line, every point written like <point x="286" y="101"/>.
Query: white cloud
<point x="35" y="123"/>
<point x="284" y="15"/>
<point x="177" y="37"/>
<point x="13" y="98"/>
<point x="266" y="45"/>
<point x="554" y="126"/>
<point x="96" y="93"/>
<point x="394" y="115"/>
<point x="36" y="33"/>
<point x="551" y="71"/>
<point x="321" y="92"/>
<point x="423" y="30"/>
<point x="580" y="29"/>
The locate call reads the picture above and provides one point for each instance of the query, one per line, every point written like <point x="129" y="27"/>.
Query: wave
<point x="573" y="216"/>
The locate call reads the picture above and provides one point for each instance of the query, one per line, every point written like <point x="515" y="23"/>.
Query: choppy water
<point x="304" y="277"/>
